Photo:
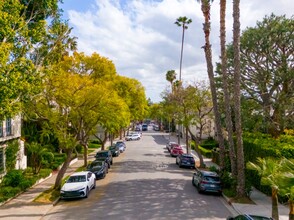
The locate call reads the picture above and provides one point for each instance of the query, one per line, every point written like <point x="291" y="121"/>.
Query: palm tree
<point x="182" y="22"/>
<point x="171" y="76"/>
<point x="268" y="169"/>
<point x="205" y="7"/>
<point x="237" y="100"/>
<point x="228" y="118"/>
<point x="285" y="181"/>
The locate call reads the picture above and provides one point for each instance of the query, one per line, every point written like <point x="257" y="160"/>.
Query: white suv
<point x="132" y="137"/>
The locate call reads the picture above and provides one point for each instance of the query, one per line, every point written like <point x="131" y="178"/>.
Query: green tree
<point x="266" y="58"/>
<point x="23" y="26"/>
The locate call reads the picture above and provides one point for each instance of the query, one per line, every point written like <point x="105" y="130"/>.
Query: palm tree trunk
<point x="275" y="210"/>
<point x="228" y="117"/>
<point x="205" y="7"/>
<point x="237" y="100"/>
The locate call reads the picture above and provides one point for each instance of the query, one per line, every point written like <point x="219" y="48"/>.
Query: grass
<point x="48" y="196"/>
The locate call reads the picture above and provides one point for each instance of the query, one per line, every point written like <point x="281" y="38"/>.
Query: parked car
<point x="122" y="146"/>
<point x="170" y="144"/>
<point x="132" y="137"/>
<point x="207" y="181"/>
<point x="144" y="127"/>
<point x="115" y="151"/>
<point x="176" y="150"/>
<point x="185" y="160"/>
<point x="249" y="217"/>
<point x="78" y="185"/>
<point x="105" y="155"/>
<point x="99" y="168"/>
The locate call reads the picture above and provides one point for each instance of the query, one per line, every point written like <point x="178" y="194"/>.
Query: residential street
<point x="144" y="183"/>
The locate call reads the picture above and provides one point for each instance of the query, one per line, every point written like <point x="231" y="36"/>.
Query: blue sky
<point x="140" y="36"/>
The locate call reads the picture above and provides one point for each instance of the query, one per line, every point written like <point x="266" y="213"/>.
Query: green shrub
<point x="95" y="141"/>
<point x="11" y="153"/>
<point x="8" y="192"/>
<point x="13" y="178"/>
<point x="94" y="145"/>
<point x="205" y="152"/>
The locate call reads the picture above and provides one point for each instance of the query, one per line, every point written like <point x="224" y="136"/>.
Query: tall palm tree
<point x="228" y="118"/>
<point x="237" y="100"/>
<point x="268" y="169"/>
<point x="182" y="22"/>
<point x="205" y="7"/>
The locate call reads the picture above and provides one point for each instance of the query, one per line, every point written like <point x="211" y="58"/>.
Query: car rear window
<point x="102" y="154"/>
<point x="211" y="178"/>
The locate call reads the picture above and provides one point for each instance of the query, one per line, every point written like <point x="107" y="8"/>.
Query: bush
<point x="8" y="192"/>
<point x="13" y="178"/>
<point x="205" y="152"/>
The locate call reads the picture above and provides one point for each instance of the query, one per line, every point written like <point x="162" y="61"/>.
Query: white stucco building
<point x="10" y="130"/>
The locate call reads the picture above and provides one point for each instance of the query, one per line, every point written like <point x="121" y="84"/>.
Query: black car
<point x="115" y="151"/>
<point x="99" y="168"/>
<point x="185" y="160"/>
<point x="105" y="155"/>
<point x="207" y="181"/>
<point x="249" y="217"/>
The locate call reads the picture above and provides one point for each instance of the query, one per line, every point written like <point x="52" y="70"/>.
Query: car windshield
<point x="112" y="147"/>
<point x="76" y="179"/>
<point x="102" y="154"/>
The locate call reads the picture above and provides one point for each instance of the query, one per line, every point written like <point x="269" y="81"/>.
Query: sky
<point x="142" y="40"/>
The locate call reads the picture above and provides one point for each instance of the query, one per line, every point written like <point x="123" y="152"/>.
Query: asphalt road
<point x="144" y="183"/>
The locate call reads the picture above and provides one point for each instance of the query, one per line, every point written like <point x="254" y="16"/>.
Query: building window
<point x="1" y="160"/>
<point x="1" y="129"/>
<point x="8" y="127"/>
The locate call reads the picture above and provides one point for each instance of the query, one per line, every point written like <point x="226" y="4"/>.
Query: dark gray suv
<point x="207" y="181"/>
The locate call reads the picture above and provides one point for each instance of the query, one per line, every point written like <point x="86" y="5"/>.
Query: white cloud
<point x="140" y="36"/>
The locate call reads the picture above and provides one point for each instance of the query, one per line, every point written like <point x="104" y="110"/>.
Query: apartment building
<point x="10" y="130"/>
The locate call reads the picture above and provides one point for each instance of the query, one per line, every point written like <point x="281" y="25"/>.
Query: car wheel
<point x="193" y="183"/>
<point x="87" y="192"/>
<point x="94" y="184"/>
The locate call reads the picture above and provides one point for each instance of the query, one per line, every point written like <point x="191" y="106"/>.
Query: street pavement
<point x="23" y="207"/>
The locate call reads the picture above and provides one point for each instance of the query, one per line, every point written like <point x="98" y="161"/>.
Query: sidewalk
<point x="263" y="203"/>
<point x="23" y="207"/>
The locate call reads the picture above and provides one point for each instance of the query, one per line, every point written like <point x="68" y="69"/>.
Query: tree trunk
<point x="85" y="145"/>
<point x="291" y="207"/>
<point x="104" y="141"/>
<point x="237" y="100"/>
<point x="194" y="138"/>
<point x="227" y="101"/>
<point x="63" y="169"/>
<point x="275" y="210"/>
<point x="187" y="140"/>
<point x="205" y="7"/>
